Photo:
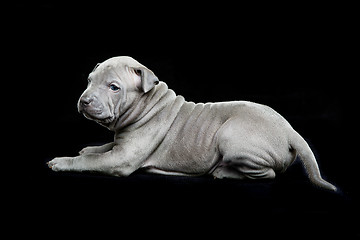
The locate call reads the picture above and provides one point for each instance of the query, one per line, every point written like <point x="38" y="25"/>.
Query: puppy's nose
<point x="85" y="101"/>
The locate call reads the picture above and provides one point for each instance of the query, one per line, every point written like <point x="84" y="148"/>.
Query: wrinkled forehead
<point x="101" y="72"/>
<point x="115" y="65"/>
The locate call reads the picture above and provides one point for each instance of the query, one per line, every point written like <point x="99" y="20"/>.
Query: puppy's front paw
<point x="61" y="163"/>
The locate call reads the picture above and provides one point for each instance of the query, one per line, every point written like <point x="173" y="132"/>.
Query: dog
<point x="159" y="132"/>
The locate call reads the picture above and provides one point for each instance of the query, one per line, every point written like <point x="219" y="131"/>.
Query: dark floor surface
<point x="296" y="60"/>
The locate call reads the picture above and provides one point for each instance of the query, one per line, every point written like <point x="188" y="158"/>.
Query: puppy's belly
<point x="183" y="162"/>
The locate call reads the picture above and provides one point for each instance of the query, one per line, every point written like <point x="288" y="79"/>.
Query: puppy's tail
<point x="308" y="159"/>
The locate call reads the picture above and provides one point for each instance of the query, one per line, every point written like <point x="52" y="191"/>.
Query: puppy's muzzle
<point x="85" y="102"/>
<point x="88" y="104"/>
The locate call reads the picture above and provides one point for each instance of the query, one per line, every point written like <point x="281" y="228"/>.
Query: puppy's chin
<point x="99" y="118"/>
<point x="105" y="121"/>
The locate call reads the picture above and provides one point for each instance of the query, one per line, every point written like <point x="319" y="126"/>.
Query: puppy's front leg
<point x="97" y="149"/>
<point x="111" y="163"/>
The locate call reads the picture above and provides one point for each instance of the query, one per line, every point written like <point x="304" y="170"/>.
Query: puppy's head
<point x="112" y="86"/>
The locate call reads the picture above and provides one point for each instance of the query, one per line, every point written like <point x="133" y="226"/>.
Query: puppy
<point x="158" y="131"/>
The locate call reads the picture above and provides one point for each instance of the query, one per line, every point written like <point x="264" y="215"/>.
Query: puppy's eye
<point x="138" y="72"/>
<point x="114" y="87"/>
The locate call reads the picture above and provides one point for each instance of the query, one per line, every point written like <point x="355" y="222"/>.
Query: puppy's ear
<point x="148" y="78"/>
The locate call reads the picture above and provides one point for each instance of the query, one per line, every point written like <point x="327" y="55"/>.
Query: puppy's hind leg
<point x="224" y="171"/>
<point x="263" y="173"/>
<point x="242" y="169"/>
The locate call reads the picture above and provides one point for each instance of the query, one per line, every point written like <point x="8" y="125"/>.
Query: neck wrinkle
<point x="143" y="108"/>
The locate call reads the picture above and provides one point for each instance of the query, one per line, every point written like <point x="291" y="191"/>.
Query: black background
<point x="297" y="59"/>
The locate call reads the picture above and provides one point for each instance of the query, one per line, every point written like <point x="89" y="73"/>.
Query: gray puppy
<point x="160" y="132"/>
